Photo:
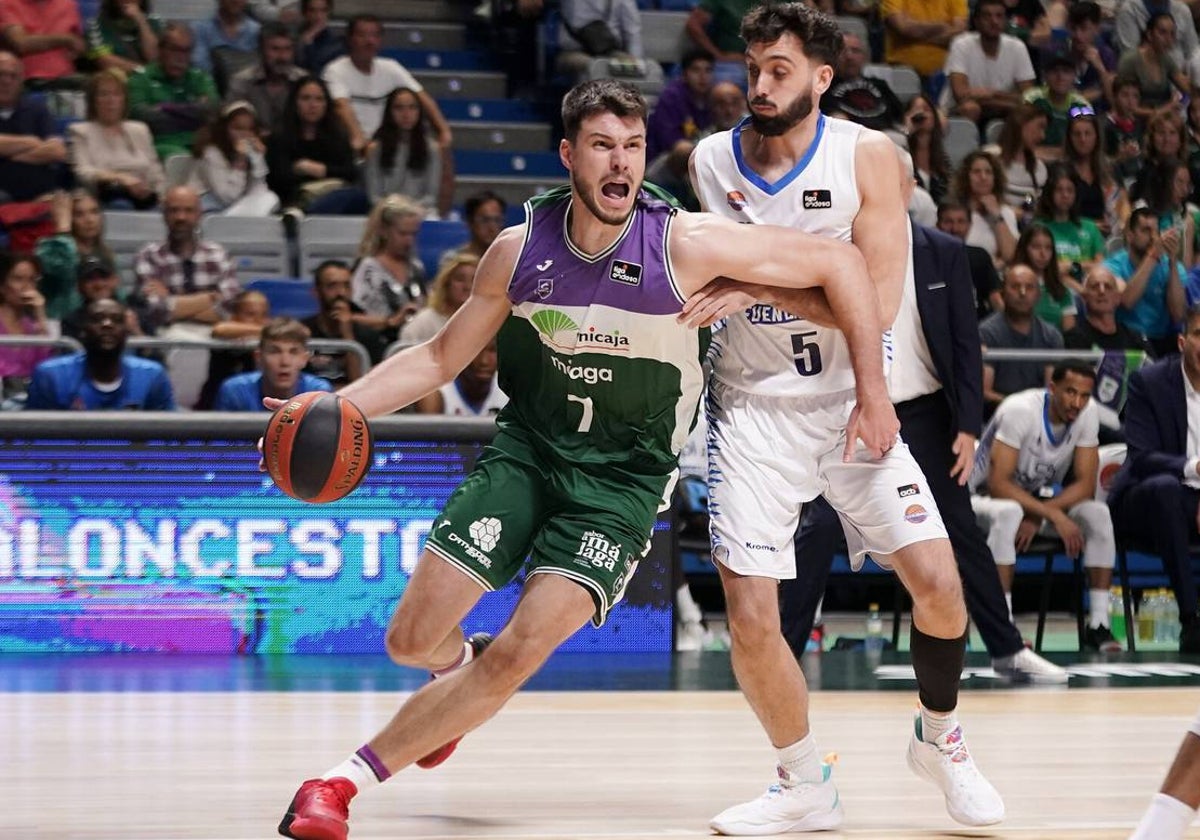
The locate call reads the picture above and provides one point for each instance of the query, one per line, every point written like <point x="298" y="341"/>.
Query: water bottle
<point x="1116" y="613"/>
<point x="1145" y="617"/>
<point x="874" y="640"/>
<point x="1170" y="608"/>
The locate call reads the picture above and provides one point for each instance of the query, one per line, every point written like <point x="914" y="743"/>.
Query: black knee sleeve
<point x="938" y="664"/>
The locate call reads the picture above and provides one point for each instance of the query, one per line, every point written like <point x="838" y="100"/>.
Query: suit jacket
<point x="946" y="304"/>
<point x="1156" y="426"/>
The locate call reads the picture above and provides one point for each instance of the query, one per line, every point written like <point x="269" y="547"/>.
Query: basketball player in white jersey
<point x="473" y="393"/>
<point x="781" y="393"/>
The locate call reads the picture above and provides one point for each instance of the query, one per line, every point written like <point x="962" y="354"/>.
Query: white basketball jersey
<point x="453" y="402"/>
<point x="765" y="350"/>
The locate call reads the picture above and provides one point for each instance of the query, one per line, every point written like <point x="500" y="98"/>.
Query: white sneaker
<point x="813" y="806"/>
<point x="970" y="798"/>
<point x="1027" y="666"/>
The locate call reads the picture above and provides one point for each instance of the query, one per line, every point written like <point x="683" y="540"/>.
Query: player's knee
<point x="753" y="627"/>
<point x="933" y="579"/>
<point x="409" y="642"/>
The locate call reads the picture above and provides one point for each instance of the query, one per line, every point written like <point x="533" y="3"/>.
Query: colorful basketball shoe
<point x="319" y="810"/>
<point x="812" y="806"/>
<point x="970" y="798"/>
<point x="478" y="643"/>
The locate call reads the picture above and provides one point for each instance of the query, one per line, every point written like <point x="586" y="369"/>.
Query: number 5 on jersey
<point x="807" y="354"/>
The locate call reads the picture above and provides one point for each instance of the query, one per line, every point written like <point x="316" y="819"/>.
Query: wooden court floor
<point x="565" y="765"/>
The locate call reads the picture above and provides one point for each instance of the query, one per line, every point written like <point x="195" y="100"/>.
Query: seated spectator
<point x="1154" y="69"/>
<point x="1094" y="62"/>
<point x="229" y="29"/>
<point x="979" y="184"/>
<point x="1055" y="304"/>
<point x="922" y="209"/>
<point x="1152" y="295"/>
<point x="681" y="112"/>
<point x="448" y="291"/>
<point x="79" y="227"/>
<point x="30" y="149"/>
<point x="484" y="214"/>
<point x="622" y="41"/>
<point x="282" y="354"/>
<point x="22" y="312"/>
<point x="172" y="97"/>
<point x="231" y="175"/>
<point x="310" y="164"/>
<point x="1036" y="439"/>
<point x="1166" y="141"/>
<point x="1099" y="328"/>
<point x="715" y="26"/>
<point x="987" y="71"/>
<point x="862" y="99"/>
<point x="335" y="319"/>
<point x="473" y="393"/>
<point x="1078" y="243"/>
<point x="1027" y="21"/>
<point x="389" y="281"/>
<point x="926" y="143"/>
<point x="112" y="156"/>
<point x="360" y="82"/>
<point x="267" y="83"/>
<point x="669" y="172"/>
<point x="318" y="44"/>
<point x="1018" y="151"/>
<point x="96" y="279"/>
<point x="1057" y="99"/>
<point x="1135" y="20"/>
<point x="919" y="33"/>
<point x="1192" y="154"/>
<point x="249" y="312"/>
<point x="103" y="377"/>
<point x="1016" y="328"/>
<point x="1165" y="188"/>
<point x="403" y="158"/>
<point x="286" y="12"/>
<point x="1124" y="129"/>
<point x="955" y="220"/>
<point x="123" y="36"/>
<point x="727" y="104"/>
<point x="1099" y="197"/>
<point x="48" y="36"/>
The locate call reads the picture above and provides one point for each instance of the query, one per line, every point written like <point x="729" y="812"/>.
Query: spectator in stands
<point x="1016" y="328"/>
<point x="1152" y="295"/>
<point x="1166" y="142"/>
<point x="1018" y="150"/>
<point x="249" y="312"/>
<point x="670" y="172"/>
<point x="448" y="291"/>
<point x="473" y="393"/>
<point x="862" y="99"/>
<point x="266" y="84"/>
<point x="403" y="158"/>
<point x="1055" y="303"/>
<point x="103" y="377"/>
<point x="231" y="175"/>
<point x="987" y="71"/>
<point x="124" y="35"/>
<point x="1124" y="129"/>
<point x="1165" y="190"/>
<point x="979" y="184"/>
<point x="1098" y="196"/>
<point x="1057" y="99"/>
<point x="623" y="39"/>
<point x="923" y="126"/>
<point x="172" y="97"/>
<point x="1192" y="155"/>
<point x="389" y="281"/>
<point x="955" y="219"/>
<point x="1078" y="243"/>
<point x="230" y="29"/>
<point x="1093" y="60"/>
<point x="111" y="155"/>
<point x="79" y="227"/>
<point x="715" y="26"/>
<point x="1099" y="328"/>
<point x="48" y="35"/>
<point x="335" y="319"/>
<point x="286" y="12"/>
<point x="30" y="149"/>
<point x="1135" y="20"/>
<point x="310" y="164"/>
<point x="1159" y="75"/>
<point x="727" y="104"/>
<point x="1027" y="21"/>
<point x="681" y="112"/>
<point x="22" y="312"/>
<point x="919" y="32"/>
<point x="1036" y="439"/>
<point x="318" y="44"/>
<point x="360" y="82"/>
<point x="282" y="354"/>
<point x="922" y="209"/>
<point x="484" y="214"/>
<point x="96" y="279"/>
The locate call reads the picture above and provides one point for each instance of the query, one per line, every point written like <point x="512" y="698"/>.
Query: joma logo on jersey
<point x="629" y="273"/>
<point x="736" y="200"/>
<point x="817" y="199"/>
<point x="763" y="313"/>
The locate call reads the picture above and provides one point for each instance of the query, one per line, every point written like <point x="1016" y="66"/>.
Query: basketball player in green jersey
<point x="603" y="384"/>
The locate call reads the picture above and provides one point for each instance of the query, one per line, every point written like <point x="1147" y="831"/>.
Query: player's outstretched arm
<point x="412" y="373"/>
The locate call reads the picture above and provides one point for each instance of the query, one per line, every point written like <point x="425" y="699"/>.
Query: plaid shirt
<point x="208" y="268"/>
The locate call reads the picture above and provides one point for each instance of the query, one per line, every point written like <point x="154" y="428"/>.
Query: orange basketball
<point x="317" y="447"/>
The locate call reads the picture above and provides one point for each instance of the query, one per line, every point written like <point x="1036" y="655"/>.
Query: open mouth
<point x="615" y="191"/>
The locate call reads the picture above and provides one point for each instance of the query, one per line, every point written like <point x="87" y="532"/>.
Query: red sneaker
<point x="319" y="810"/>
<point x="478" y="643"/>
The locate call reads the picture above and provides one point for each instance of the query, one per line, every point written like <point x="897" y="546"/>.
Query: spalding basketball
<point x="317" y="447"/>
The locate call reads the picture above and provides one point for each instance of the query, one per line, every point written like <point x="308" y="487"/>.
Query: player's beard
<point x="589" y="201"/>
<point x="783" y="120"/>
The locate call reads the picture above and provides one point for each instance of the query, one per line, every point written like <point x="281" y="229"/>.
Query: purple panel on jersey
<point x="632" y="276"/>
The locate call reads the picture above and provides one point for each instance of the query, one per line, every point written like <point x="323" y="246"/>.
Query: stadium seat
<point x="328" y="238"/>
<point x="429" y="59"/>
<point x="127" y="231"/>
<point x="289" y="297"/>
<point x="962" y="137"/>
<point x="664" y="38"/>
<point x="528" y="164"/>
<point x="435" y="238"/>
<point x="256" y="244"/>
<point x="991" y="134"/>
<point x="852" y="25"/>
<point x="179" y="169"/>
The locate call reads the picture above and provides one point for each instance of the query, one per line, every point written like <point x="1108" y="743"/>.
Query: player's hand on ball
<point x="719" y="299"/>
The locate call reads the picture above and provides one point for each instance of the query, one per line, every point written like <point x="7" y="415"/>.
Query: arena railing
<point x="318" y="345"/>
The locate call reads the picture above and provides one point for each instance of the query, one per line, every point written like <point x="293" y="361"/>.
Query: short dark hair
<point x="273" y="29"/>
<point x="1061" y="369"/>
<point x="325" y="266"/>
<point x="304" y="4"/>
<point x="1084" y="11"/>
<point x="950" y="206"/>
<point x="600" y="96"/>
<point x="693" y="55"/>
<point x="817" y="32"/>
<point x="1192" y="315"/>
<point x="284" y="329"/>
<point x="476" y="200"/>
<point x="367" y="18"/>
<point x="1122" y="82"/>
<point x="1140" y="213"/>
<point x="981" y="3"/>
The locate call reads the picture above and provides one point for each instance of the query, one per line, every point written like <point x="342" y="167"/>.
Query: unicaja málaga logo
<point x="550" y="322"/>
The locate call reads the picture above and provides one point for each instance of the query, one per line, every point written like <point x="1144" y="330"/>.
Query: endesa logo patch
<point x="916" y="514"/>
<point x="629" y="273"/>
<point x="736" y="200"/>
<point x="817" y="199"/>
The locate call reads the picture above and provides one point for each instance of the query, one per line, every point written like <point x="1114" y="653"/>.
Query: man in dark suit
<point x="937" y="385"/>
<point x="1155" y="498"/>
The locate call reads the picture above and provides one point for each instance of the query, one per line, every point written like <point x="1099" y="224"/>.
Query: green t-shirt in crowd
<point x="1082" y="242"/>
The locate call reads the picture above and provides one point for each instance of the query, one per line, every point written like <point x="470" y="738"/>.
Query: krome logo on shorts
<point x="557" y="329"/>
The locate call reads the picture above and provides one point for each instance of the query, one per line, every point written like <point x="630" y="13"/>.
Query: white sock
<point x="799" y="763"/>
<point x="467" y="654"/>
<point x="1166" y="819"/>
<point x="1098" y="607"/>
<point x="1008" y="601"/>
<point x="936" y="724"/>
<point x="363" y="768"/>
